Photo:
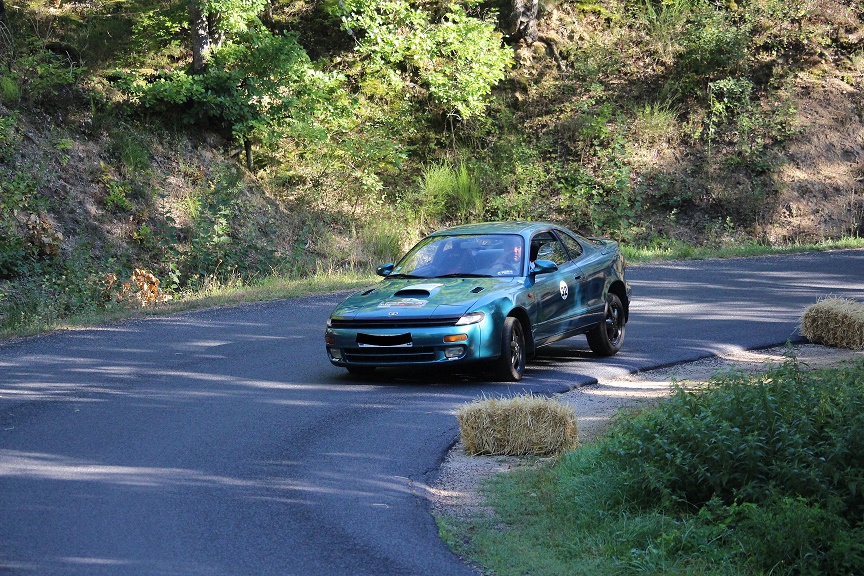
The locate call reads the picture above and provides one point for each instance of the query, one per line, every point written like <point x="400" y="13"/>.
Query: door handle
<point x="578" y="277"/>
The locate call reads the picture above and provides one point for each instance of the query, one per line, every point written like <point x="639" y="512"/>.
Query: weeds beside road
<point x="749" y="474"/>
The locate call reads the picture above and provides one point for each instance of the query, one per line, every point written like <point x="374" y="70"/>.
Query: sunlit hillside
<point x="226" y="141"/>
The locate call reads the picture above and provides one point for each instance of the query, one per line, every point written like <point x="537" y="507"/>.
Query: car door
<point x="590" y="281"/>
<point x="556" y="292"/>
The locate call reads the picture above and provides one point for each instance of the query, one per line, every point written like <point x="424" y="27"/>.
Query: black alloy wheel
<point x="606" y="338"/>
<point x="511" y="363"/>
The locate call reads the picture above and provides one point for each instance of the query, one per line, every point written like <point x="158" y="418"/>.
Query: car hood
<point x="420" y="298"/>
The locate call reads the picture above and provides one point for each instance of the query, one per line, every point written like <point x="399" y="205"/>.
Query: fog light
<point x="329" y="339"/>
<point x="454" y="352"/>
<point x="336" y="353"/>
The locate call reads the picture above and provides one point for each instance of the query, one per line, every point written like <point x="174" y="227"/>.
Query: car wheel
<point x="606" y="338"/>
<point x="511" y="363"/>
<point x="360" y="370"/>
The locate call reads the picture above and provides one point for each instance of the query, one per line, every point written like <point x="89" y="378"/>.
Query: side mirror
<point x="385" y="270"/>
<point x="544" y="267"/>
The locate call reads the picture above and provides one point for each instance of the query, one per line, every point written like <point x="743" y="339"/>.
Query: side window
<point x="572" y="245"/>
<point x="545" y="246"/>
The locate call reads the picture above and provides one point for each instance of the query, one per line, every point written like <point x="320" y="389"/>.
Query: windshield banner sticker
<point x="403" y="303"/>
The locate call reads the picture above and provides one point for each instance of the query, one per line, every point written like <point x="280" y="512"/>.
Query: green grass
<point x="671" y="249"/>
<point x="752" y="475"/>
<point x="211" y="295"/>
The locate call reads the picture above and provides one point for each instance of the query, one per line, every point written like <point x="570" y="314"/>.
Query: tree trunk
<point x="525" y="20"/>
<point x="247" y="144"/>
<point x="200" y="35"/>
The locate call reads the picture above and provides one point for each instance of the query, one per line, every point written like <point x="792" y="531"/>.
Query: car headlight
<point x="329" y="322"/>
<point x="472" y="318"/>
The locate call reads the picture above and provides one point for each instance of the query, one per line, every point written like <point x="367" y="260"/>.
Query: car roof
<point x="523" y="228"/>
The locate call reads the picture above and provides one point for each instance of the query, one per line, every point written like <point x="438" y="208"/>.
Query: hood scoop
<point x="412" y="293"/>
<point x="418" y="291"/>
<point x="477" y="290"/>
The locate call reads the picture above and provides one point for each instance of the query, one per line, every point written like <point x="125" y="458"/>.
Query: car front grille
<point x="387" y="355"/>
<point x="397" y="323"/>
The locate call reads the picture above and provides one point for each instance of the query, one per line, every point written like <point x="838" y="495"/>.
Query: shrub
<point x="745" y="439"/>
<point x="836" y="322"/>
<point x="518" y="426"/>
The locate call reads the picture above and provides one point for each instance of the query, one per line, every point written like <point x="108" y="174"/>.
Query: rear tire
<point x="606" y="338"/>
<point x="511" y="364"/>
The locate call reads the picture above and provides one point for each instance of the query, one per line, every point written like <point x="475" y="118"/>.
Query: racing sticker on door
<point x="564" y="290"/>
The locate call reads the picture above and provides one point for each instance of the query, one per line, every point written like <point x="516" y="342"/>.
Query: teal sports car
<point x="492" y="292"/>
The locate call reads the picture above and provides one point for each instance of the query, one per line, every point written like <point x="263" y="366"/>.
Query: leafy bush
<point x="255" y="85"/>
<point x="50" y="290"/>
<point x="40" y="73"/>
<point x="753" y="475"/>
<point x="224" y="241"/>
<point x="747" y="440"/>
<point x="9" y="91"/>
<point x="457" y="58"/>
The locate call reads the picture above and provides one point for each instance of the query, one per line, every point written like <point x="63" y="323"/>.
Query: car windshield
<point x="470" y="256"/>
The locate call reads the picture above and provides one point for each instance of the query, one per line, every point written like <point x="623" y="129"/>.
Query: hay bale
<point x="518" y="426"/>
<point x="835" y="322"/>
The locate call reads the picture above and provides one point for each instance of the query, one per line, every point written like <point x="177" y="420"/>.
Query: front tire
<point x="606" y="338"/>
<point x="511" y="363"/>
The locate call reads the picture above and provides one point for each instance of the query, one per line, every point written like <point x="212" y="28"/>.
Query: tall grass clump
<point x="750" y="475"/>
<point x="447" y="193"/>
<point x="381" y="242"/>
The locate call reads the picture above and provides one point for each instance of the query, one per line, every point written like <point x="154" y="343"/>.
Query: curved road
<point x="222" y="442"/>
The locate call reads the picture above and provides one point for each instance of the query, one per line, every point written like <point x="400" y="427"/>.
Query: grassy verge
<point x="752" y="475"/>
<point x="212" y="295"/>
<point x="277" y="286"/>
<point x="676" y="250"/>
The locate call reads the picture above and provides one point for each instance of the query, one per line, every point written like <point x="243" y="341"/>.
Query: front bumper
<point x="406" y="346"/>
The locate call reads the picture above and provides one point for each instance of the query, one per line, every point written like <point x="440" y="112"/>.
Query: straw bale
<point x="517" y="426"/>
<point x="837" y="322"/>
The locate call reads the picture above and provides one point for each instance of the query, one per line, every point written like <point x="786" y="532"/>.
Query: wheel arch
<point x="521" y="315"/>
<point x="619" y="289"/>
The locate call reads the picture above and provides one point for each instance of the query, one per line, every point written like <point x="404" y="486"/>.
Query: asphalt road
<point x="222" y="442"/>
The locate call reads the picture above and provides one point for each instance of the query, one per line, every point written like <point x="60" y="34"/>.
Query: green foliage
<point x="224" y="241"/>
<point x="8" y="138"/>
<point x="457" y="58"/>
<point x="233" y="15"/>
<point x="48" y="291"/>
<point x="382" y="243"/>
<point x="255" y="85"/>
<point x="116" y="199"/>
<point x="131" y="150"/>
<point x="744" y="440"/>
<point x="755" y="475"/>
<point x="9" y="91"/>
<point x="446" y="193"/>
<point x="727" y="98"/>
<point x="160" y="31"/>
<point x="40" y="74"/>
